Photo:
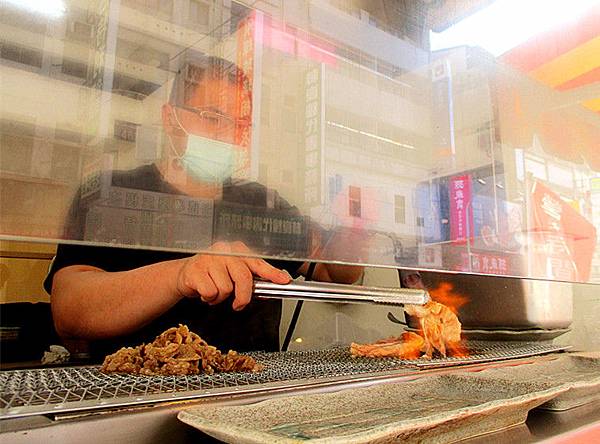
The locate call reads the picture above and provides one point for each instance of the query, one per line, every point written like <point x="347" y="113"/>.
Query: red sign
<point x="461" y="211"/>
<point x="485" y="263"/>
<point x="246" y="39"/>
<point x="562" y="240"/>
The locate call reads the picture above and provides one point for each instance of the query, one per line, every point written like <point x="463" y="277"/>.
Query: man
<point x="115" y="296"/>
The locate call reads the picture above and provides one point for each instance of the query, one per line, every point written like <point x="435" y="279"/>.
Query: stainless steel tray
<point x="329" y="292"/>
<point x="502" y="303"/>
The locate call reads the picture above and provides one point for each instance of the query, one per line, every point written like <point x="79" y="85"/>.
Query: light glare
<point x="506" y="24"/>
<point x="50" y="8"/>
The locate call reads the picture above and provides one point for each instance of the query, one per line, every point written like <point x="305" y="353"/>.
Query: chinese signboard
<point x="137" y="217"/>
<point x="264" y="230"/>
<point x="485" y="263"/>
<point x="442" y="112"/>
<point x="313" y="136"/>
<point x="246" y="58"/>
<point x="461" y="211"/>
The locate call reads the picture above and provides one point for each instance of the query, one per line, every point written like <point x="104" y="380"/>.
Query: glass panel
<point x="404" y="134"/>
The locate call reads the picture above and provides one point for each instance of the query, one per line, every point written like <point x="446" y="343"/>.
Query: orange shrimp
<point x="440" y="327"/>
<point x="408" y="346"/>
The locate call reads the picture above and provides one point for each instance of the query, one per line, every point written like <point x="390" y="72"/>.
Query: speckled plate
<point x="443" y="408"/>
<point x="577" y="374"/>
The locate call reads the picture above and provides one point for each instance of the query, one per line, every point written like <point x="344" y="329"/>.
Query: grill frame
<point x="75" y="389"/>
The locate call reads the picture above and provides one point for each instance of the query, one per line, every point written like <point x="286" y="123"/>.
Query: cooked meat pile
<point x="440" y="331"/>
<point x="177" y="351"/>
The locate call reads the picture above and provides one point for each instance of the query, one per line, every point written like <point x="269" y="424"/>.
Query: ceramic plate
<point x="443" y="408"/>
<point x="577" y="374"/>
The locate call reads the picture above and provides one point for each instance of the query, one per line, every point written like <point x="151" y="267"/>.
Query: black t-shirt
<point x="256" y="327"/>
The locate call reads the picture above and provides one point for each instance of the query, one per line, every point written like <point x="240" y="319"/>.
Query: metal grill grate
<point x="43" y="391"/>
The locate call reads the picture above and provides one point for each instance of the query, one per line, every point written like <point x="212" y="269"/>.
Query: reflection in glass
<point x="424" y="136"/>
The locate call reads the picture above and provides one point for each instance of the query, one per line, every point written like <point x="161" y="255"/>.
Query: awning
<point x="566" y="59"/>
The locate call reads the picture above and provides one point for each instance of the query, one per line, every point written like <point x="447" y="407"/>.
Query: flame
<point x="457" y="350"/>
<point x="440" y="325"/>
<point x="444" y="295"/>
<point x="413" y="345"/>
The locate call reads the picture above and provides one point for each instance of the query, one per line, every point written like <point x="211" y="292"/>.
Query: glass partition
<point x="439" y="135"/>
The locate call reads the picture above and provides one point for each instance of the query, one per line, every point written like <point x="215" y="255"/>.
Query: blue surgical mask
<point x="208" y="160"/>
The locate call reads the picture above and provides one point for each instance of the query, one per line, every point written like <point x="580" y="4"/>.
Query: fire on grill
<point x="439" y="330"/>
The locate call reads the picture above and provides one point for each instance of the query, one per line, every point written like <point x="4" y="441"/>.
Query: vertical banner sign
<point x="98" y="14"/>
<point x="313" y="136"/>
<point x="461" y="211"/>
<point x="246" y="95"/>
<point x="562" y="241"/>
<point x="443" y="112"/>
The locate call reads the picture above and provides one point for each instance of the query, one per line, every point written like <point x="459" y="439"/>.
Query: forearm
<point x="90" y="303"/>
<point x="342" y="274"/>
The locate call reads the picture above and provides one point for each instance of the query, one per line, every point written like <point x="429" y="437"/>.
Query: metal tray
<point x="528" y="335"/>
<point x="502" y="303"/>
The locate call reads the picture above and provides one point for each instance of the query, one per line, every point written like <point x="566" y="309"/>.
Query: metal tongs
<point x="340" y="293"/>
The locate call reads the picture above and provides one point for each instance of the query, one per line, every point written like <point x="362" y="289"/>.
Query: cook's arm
<point x="90" y="303"/>
<point x="341" y="244"/>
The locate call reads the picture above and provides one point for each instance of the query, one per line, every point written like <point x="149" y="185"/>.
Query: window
<point x="16" y="147"/>
<point x="79" y="31"/>
<point x="125" y="130"/>
<point x="420" y="221"/>
<point x="65" y="162"/>
<point x="133" y="88"/>
<point x="20" y="54"/>
<point x="162" y="8"/>
<point x="354" y="200"/>
<point x="198" y="12"/>
<point x="73" y="68"/>
<point x="335" y="186"/>
<point x="399" y="209"/>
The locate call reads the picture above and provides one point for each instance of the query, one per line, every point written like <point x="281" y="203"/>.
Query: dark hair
<point x="196" y="68"/>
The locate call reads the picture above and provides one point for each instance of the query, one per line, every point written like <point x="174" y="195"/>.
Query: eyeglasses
<point x="216" y="118"/>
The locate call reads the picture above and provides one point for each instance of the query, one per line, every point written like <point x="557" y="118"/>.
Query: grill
<point x="69" y="389"/>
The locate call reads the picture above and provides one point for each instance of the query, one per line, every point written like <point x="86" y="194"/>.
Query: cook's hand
<point x="214" y="278"/>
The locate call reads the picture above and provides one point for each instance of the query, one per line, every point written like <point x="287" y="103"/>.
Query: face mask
<point x="208" y="160"/>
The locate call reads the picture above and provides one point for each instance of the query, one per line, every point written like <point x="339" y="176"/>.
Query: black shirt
<point x="256" y="327"/>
